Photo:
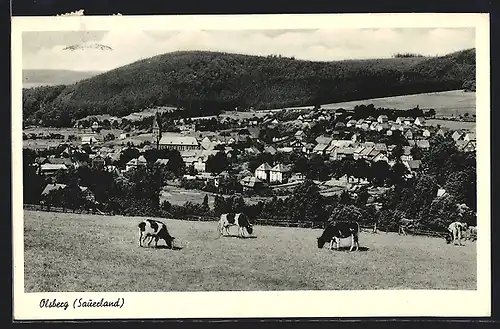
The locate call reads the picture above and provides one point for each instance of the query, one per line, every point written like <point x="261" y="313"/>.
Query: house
<point x="64" y="161"/>
<point x="426" y="133"/>
<point x="408" y="134"/>
<point x="382" y="126"/>
<point x="406" y="156"/>
<point x="441" y="193"/>
<point x="89" y="140"/>
<point x="382" y="118"/>
<point x="411" y="142"/>
<point x="396" y="127"/>
<point x="419" y="121"/>
<point x="297" y="144"/>
<point x="124" y="135"/>
<point x="201" y="159"/>
<point x="359" y="123"/>
<point x="279" y="174"/>
<point x="441" y="132"/>
<point x="423" y="144"/>
<point x="207" y="144"/>
<point x="135" y="163"/>
<point x="470" y="137"/>
<point x="381" y="147"/>
<point x="51" y="169"/>
<point x="457" y="135"/>
<point x="389" y="133"/>
<point x="379" y="157"/>
<point x="284" y="149"/>
<point x="320" y="148"/>
<point x="161" y="162"/>
<point x="308" y="148"/>
<point x="251" y="183"/>
<point x="412" y="165"/>
<point x="466" y="146"/>
<point x="340" y="125"/>
<point x="373" y="125"/>
<point x="365" y="126"/>
<point x="404" y="120"/>
<point x="178" y="142"/>
<point x="95" y="127"/>
<point x="299" y="135"/>
<point x="56" y="186"/>
<point x="270" y="149"/>
<point x="262" y="171"/>
<point x="351" y="123"/>
<point x="342" y="153"/>
<point x="297" y="177"/>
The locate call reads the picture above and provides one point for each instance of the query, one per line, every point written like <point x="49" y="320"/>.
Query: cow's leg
<point x="356" y="241"/>
<point x="140" y="240"/>
<point x="331" y="244"/>
<point x="150" y="240"/>
<point x="352" y="242"/>
<point x="156" y="241"/>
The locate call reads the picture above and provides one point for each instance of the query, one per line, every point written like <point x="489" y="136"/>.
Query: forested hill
<point x="206" y="82"/>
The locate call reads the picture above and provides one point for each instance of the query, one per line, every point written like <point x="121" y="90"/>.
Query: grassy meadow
<point x="445" y="103"/>
<point x="79" y="252"/>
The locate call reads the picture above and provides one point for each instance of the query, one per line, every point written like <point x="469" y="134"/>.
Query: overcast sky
<point x="44" y="50"/>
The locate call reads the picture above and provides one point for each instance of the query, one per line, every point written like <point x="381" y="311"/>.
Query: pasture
<point x="453" y="125"/>
<point x="78" y="252"/>
<point x="445" y="103"/>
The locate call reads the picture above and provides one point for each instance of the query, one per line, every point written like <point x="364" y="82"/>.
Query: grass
<point x="73" y="252"/>
<point x="445" y="103"/>
<point x="453" y="125"/>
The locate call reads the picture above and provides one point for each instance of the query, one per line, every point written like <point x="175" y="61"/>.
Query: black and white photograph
<point x="274" y="168"/>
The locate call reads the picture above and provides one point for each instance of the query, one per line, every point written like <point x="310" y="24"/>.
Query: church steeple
<point x="157" y="130"/>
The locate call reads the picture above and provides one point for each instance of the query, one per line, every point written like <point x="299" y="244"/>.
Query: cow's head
<point x="168" y="239"/>
<point x="250" y="229"/>
<point x="321" y="242"/>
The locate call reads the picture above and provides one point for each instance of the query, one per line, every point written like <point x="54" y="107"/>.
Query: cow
<point x="154" y="229"/>
<point x="234" y="219"/>
<point x="404" y="224"/>
<point x="456" y="232"/>
<point x="472" y="233"/>
<point x="334" y="231"/>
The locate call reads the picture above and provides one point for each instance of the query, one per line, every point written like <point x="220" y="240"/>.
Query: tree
<point x="306" y="203"/>
<point x="219" y="205"/>
<point x="343" y="212"/>
<point x="72" y="196"/>
<point x="379" y="172"/>
<point x="217" y="163"/>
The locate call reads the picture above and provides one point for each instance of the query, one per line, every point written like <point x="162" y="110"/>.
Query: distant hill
<point x="207" y="82"/>
<point x="34" y="78"/>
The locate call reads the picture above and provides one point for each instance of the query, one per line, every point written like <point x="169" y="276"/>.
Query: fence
<point x="259" y="221"/>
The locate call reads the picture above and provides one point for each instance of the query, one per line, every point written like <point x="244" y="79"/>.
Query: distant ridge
<point x="55" y="77"/>
<point x="207" y="82"/>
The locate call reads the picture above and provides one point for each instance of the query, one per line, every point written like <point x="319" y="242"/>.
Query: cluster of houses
<point x="196" y="148"/>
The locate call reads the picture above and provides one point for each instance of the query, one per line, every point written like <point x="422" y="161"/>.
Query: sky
<point x="44" y="50"/>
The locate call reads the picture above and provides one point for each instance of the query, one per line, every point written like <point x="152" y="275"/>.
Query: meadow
<point x="78" y="252"/>
<point x="445" y="103"/>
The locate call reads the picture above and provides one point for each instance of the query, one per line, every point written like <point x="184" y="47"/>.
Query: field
<point x="73" y="252"/>
<point x="453" y="125"/>
<point x="445" y="103"/>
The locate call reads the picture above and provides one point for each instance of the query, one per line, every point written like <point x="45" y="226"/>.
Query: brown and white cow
<point x="234" y="219"/>
<point x="154" y="230"/>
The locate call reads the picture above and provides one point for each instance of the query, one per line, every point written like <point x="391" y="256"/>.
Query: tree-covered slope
<point x="206" y="82"/>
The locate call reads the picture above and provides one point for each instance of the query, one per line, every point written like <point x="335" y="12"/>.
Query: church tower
<point x="157" y="130"/>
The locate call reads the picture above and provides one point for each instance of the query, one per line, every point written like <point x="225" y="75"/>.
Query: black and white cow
<point x="456" y="232"/>
<point x="154" y="229"/>
<point x="234" y="219"/>
<point x="335" y="231"/>
<point x="404" y="224"/>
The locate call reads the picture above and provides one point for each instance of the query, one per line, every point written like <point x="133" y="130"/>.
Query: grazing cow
<point x="472" y="233"/>
<point x="456" y="232"/>
<point x="156" y="230"/>
<point x="405" y="224"/>
<point x="334" y="231"/>
<point x="234" y="219"/>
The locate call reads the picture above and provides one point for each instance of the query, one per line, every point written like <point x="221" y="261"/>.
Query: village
<point x="211" y="155"/>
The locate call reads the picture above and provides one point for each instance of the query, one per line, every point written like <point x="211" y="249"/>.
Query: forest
<point x="206" y="83"/>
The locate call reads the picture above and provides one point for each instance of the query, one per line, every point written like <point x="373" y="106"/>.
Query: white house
<point x="279" y="174"/>
<point x="382" y="118"/>
<point x="89" y="140"/>
<point x="262" y="171"/>
<point x="419" y="121"/>
<point x="135" y="163"/>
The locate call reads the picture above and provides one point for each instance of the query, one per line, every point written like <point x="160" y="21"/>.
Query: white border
<point x="264" y="304"/>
